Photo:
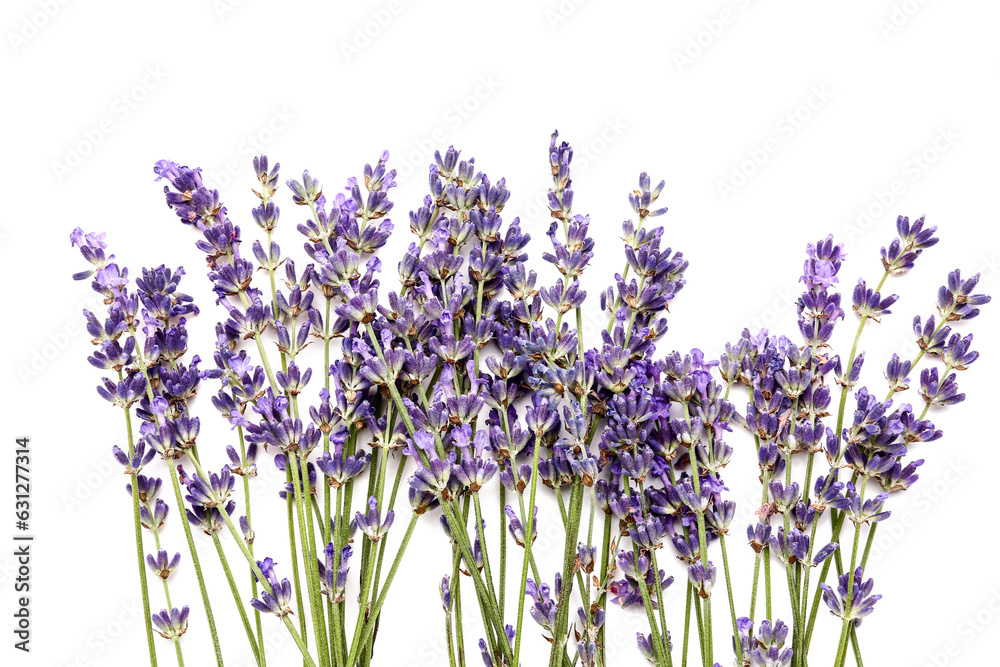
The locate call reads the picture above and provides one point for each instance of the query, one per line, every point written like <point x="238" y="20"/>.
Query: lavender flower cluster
<point x="470" y="372"/>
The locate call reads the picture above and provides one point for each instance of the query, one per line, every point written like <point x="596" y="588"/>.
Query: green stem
<point x="458" y="529"/>
<point x="166" y="587"/>
<point x="253" y="580"/>
<point x="729" y="589"/>
<point x="842" y="650"/>
<point x="502" y="582"/>
<point x="308" y="556"/>
<point x="701" y="626"/>
<point x="456" y="595"/>
<point x="450" y="639"/>
<point x="236" y="597"/>
<point x="814" y="611"/>
<point x="569" y="559"/>
<point x="238" y="538"/>
<point x="662" y="658"/>
<point x="767" y="585"/>
<point x="377" y="607"/>
<point x="696" y="482"/>
<point x="481" y="531"/>
<point x="179" y="498"/>
<point x="139" y="550"/>
<point x="753" y="591"/>
<point x="687" y="625"/>
<point x="602" y="600"/>
<point x="293" y="549"/>
<point x="529" y="531"/>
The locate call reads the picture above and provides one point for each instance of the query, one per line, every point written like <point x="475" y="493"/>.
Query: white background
<point x="863" y="112"/>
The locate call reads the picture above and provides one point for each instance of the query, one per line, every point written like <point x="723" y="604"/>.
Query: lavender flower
<point x="862" y="601"/>
<point x="172" y="624"/>
<point x="477" y="367"/>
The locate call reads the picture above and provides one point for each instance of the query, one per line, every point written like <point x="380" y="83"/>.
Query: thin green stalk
<point x="480" y="531"/>
<point x="529" y="532"/>
<point x="842" y="650"/>
<point x="701" y="626"/>
<point x="254" y="648"/>
<point x="309" y="558"/>
<point x="661" y="608"/>
<point x="377" y="607"/>
<point x="449" y="638"/>
<point x="249" y="514"/>
<point x="687" y="625"/>
<point x="659" y="590"/>
<point x="238" y="538"/>
<point x="602" y="600"/>
<point x="767" y="585"/>
<point x="458" y="530"/>
<point x="793" y="599"/>
<point x="729" y="589"/>
<point x="389" y="505"/>
<point x="662" y="657"/>
<point x="569" y="559"/>
<point x="293" y="549"/>
<point x="363" y="605"/>
<point x="139" y="550"/>
<point x="166" y="587"/>
<point x="502" y="581"/>
<point x="456" y="595"/>
<point x="382" y="543"/>
<point x="856" y="647"/>
<point x="816" y="597"/>
<point x="753" y="591"/>
<point x="179" y="498"/>
<point x="696" y="482"/>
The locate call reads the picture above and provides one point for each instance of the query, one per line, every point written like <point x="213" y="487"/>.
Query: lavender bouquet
<point x="467" y="375"/>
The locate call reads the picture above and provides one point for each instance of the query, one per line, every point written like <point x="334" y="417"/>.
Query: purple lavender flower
<point x="371" y="523"/>
<point x="870" y="304"/>
<point x="869" y="511"/>
<point x="161" y="564"/>
<point x="904" y="250"/>
<point x="171" y="624"/>
<point x="702" y="578"/>
<point x="955" y="299"/>
<point x="938" y="392"/>
<point x="862" y="601"/>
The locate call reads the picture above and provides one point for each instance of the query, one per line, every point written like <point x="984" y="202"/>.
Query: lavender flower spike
<point x="862" y="600"/>
<point x="172" y="624"/>
<point x="371" y="524"/>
